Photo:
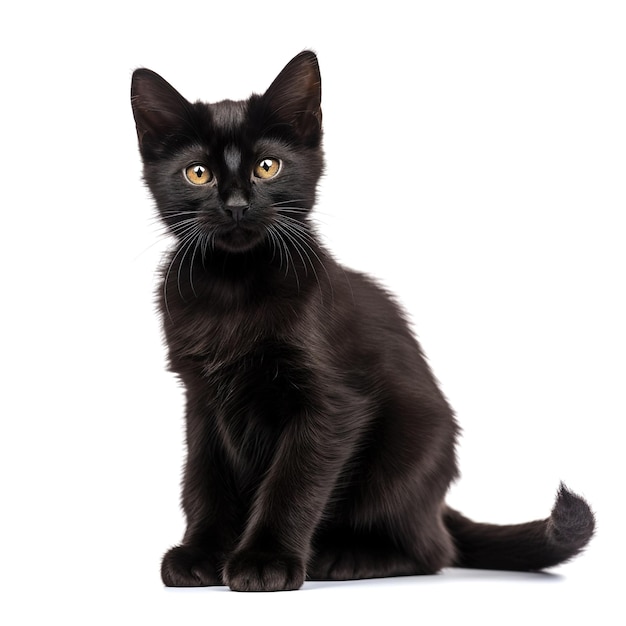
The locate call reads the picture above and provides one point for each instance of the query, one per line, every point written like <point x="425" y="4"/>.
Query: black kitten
<point x="319" y="445"/>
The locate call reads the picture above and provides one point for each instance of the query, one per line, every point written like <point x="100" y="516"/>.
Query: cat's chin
<point x="238" y="240"/>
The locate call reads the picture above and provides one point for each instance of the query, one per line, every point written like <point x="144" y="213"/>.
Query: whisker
<point x="272" y="240"/>
<point x="307" y="239"/>
<point x="280" y="244"/>
<point x="205" y="241"/>
<point x="197" y="244"/>
<point x="282" y="202"/>
<point x="188" y="237"/>
<point x="297" y="242"/>
<point x="163" y="230"/>
<point x="285" y="207"/>
<point x="286" y="229"/>
<point x="191" y="242"/>
<point x="298" y="248"/>
<point x="279" y="233"/>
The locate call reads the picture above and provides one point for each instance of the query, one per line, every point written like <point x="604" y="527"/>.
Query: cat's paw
<point x="360" y="562"/>
<point x="187" y="566"/>
<point x="262" y="571"/>
<point x="343" y="564"/>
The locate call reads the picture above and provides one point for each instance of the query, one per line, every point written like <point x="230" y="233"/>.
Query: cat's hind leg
<point x="344" y="554"/>
<point x="352" y="562"/>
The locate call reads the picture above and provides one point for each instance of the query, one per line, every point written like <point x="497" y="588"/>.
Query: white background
<point x="476" y="158"/>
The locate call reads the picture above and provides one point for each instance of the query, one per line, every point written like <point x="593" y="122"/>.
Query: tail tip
<point x="572" y="522"/>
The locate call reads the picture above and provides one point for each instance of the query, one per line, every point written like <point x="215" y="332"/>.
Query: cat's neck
<point x="227" y="279"/>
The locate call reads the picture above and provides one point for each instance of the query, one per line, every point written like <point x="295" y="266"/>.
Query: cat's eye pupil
<point x="198" y="171"/>
<point x="266" y="164"/>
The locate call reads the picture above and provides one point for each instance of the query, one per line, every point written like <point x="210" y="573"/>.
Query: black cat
<point x="319" y="445"/>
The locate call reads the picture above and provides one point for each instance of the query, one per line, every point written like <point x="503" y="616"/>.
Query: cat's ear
<point x="161" y="113"/>
<point x="294" y="98"/>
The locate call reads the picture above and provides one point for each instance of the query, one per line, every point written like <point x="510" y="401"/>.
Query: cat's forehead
<point x="228" y="116"/>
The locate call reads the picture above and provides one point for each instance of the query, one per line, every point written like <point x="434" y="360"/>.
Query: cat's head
<point x="234" y="173"/>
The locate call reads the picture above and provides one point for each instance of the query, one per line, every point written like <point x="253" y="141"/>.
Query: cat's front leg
<point x="276" y="544"/>
<point x="212" y="519"/>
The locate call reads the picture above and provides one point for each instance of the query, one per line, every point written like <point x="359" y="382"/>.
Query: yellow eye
<point x="198" y="174"/>
<point x="267" y="168"/>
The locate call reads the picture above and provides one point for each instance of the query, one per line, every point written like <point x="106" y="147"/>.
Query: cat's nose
<point x="236" y="211"/>
<point x="236" y="205"/>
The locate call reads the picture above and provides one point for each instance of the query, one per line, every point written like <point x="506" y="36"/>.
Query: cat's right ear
<point x="160" y="112"/>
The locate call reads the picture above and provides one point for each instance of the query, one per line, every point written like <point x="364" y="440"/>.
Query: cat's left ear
<point x="294" y="98"/>
<point x="161" y="113"/>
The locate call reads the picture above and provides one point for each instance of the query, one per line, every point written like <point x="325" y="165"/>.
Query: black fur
<point x="319" y="444"/>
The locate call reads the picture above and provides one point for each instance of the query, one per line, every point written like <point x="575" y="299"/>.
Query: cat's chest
<point x="249" y="379"/>
<point x="250" y="368"/>
<point x="224" y="316"/>
<point x="201" y="333"/>
<point x="253" y="349"/>
<point x="213" y="335"/>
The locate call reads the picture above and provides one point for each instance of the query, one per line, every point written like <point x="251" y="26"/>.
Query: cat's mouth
<point x="237" y="237"/>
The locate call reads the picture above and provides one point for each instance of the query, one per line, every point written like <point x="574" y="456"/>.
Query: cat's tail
<point x="524" y="547"/>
